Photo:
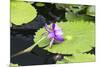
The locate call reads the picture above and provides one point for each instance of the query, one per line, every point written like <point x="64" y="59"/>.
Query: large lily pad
<point x="79" y="37"/>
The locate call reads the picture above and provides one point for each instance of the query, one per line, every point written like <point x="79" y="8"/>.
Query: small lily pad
<point x="40" y="4"/>
<point x="22" y="12"/>
<point x="78" y="38"/>
<point x="80" y="58"/>
<point x="14" y="65"/>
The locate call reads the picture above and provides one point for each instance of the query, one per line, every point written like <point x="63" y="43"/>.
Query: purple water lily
<point x="54" y="33"/>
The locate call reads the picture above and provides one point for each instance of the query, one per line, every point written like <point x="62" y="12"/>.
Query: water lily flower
<point x="54" y="33"/>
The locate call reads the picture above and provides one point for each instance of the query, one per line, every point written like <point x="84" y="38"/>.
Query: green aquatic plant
<point x="71" y="7"/>
<point x="14" y="65"/>
<point x="91" y="10"/>
<point x="77" y="58"/>
<point x="54" y="35"/>
<point x="75" y="12"/>
<point x="70" y="16"/>
<point x="78" y="38"/>
<point x="22" y="12"/>
<point x="80" y="58"/>
<point x="61" y="62"/>
<point x="77" y="8"/>
<point x="61" y="6"/>
<point x="40" y="4"/>
<point x="72" y="39"/>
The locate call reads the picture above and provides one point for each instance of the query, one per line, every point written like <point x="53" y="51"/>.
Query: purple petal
<point x="53" y="26"/>
<point x="57" y="27"/>
<point x="51" y="35"/>
<point x="59" y="38"/>
<point x="47" y="28"/>
<point x="58" y="32"/>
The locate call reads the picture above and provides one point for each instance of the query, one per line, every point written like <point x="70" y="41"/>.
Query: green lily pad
<point x="61" y="62"/>
<point x="22" y="12"/>
<point x="40" y="4"/>
<point x="80" y="58"/>
<point x="39" y="35"/>
<point x="77" y="8"/>
<point x="74" y="17"/>
<point x="61" y="6"/>
<point x="14" y="65"/>
<point x="91" y="11"/>
<point x="78" y="37"/>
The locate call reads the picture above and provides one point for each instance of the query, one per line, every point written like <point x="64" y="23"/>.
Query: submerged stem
<point x="28" y="49"/>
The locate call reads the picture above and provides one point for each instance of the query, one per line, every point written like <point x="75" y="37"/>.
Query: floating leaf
<point x="77" y="8"/>
<point x="22" y="12"/>
<point x="71" y="16"/>
<point x="80" y="58"/>
<point x="61" y="6"/>
<point x="14" y="65"/>
<point x="61" y="62"/>
<point x="75" y="17"/>
<point x="17" y="0"/>
<point x="31" y="2"/>
<point x="77" y="58"/>
<point x="72" y="7"/>
<point x="40" y="4"/>
<point x="91" y="10"/>
<point x="78" y="35"/>
<point x="39" y="35"/>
